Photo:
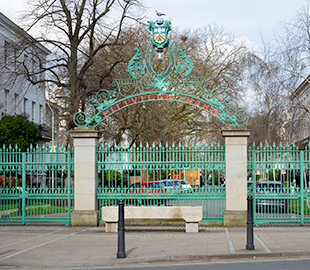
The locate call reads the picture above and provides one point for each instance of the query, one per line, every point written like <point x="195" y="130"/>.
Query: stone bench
<point x="191" y="214"/>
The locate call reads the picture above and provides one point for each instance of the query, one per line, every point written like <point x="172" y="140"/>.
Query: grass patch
<point x="42" y="210"/>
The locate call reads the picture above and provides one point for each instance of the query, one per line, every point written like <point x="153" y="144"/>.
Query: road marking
<point x="43" y="244"/>
<point x="262" y="243"/>
<point x="230" y="243"/>
<point x="15" y="243"/>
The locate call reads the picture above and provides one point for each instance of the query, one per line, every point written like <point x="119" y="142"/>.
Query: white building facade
<point x="17" y="94"/>
<point x="300" y="116"/>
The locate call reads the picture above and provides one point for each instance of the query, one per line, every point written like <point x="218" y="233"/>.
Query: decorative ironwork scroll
<point x="172" y="83"/>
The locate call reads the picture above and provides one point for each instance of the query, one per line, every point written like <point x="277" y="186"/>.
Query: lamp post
<point x="53" y="129"/>
<point x="53" y="150"/>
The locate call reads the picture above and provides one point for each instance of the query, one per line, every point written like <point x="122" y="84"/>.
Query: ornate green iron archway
<point x="171" y="84"/>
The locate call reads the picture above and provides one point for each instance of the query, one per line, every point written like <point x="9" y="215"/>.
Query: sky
<point x="242" y="18"/>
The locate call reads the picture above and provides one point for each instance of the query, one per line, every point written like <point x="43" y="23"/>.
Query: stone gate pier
<point x="236" y="140"/>
<point x="85" y="140"/>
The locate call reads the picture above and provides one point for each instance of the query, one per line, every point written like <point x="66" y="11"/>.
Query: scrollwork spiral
<point x="90" y="111"/>
<point x="230" y="109"/>
<point x="102" y="96"/>
<point x="146" y="83"/>
<point x="176" y="82"/>
<point x="126" y="89"/>
<point x="242" y="117"/>
<point x="80" y="119"/>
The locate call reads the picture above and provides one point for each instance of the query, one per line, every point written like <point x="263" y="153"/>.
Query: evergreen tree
<point x="17" y="130"/>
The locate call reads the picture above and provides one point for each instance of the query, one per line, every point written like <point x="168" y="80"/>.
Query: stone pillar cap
<point x="236" y="132"/>
<point x="85" y="132"/>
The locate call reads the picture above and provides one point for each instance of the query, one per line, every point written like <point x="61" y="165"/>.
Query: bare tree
<point x="90" y="38"/>
<point x="287" y="61"/>
<point x="270" y="105"/>
<point x="76" y="32"/>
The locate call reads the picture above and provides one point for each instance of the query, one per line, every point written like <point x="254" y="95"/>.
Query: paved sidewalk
<point x="59" y="246"/>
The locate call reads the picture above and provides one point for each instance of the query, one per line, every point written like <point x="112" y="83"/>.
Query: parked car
<point x="270" y="195"/>
<point x="177" y="186"/>
<point x="146" y="193"/>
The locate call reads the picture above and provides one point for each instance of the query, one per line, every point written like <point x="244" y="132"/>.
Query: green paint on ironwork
<point x="280" y="183"/>
<point x="147" y="80"/>
<point x="121" y="168"/>
<point x="33" y="185"/>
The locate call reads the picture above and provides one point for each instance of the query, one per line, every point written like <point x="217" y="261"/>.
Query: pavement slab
<point x="50" y="246"/>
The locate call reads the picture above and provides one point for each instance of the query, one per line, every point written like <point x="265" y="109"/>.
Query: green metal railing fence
<point x="36" y="185"/>
<point x="144" y="174"/>
<point x="279" y="183"/>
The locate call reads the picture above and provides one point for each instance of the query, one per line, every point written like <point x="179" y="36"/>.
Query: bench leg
<point x="192" y="227"/>
<point x="111" y="227"/>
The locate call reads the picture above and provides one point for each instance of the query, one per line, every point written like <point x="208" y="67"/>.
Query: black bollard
<point x="250" y="238"/>
<point x="121" y="230"/>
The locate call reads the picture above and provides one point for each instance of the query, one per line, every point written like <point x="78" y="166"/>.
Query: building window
<point x="25" y="105"/>
<point x="10" y="54"/>
<point x="33" y="111"/>
<point x="15" y="103"/>
<point x="6" y="101"/>
<point x="6" y="53"/>
<point x="15" y="58"/>
<point x="34" y="68"/>
<point x="26" y="64"/>
<point x="40" y="113"/>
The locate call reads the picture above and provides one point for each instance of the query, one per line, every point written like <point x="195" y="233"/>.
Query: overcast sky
<point x="243" y="18"/>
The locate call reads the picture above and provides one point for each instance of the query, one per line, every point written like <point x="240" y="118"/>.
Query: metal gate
<point x="36" y="186"/>
<point x="171" y="175"/>
<point x="279" y="183"/>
